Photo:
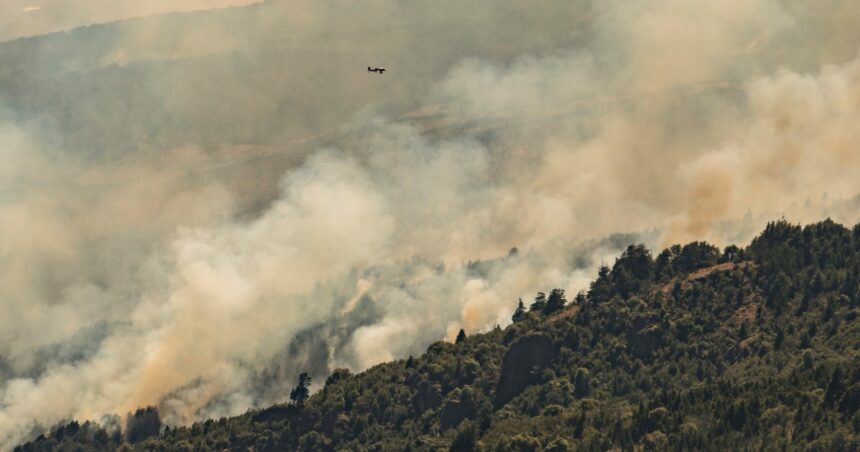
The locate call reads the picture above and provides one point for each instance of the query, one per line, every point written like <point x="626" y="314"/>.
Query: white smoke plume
<point x="202" y="278"/>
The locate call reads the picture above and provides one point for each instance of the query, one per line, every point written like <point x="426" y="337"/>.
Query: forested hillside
<point x="696" y="348"/>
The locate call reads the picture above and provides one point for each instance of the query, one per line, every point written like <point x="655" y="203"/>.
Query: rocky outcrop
<point x="522" y="366"/>
<point x="459" y="406"/>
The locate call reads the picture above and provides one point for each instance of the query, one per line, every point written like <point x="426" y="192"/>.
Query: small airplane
<point x="378" y="70"/>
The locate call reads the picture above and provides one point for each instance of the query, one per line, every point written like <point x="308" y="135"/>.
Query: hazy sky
<point x="34" y="17"/>
<point x="190" y="227"/>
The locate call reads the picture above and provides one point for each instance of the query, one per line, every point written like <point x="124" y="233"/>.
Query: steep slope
<point x="753" y="348"/>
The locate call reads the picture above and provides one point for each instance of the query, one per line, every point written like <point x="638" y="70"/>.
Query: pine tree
<point x="520" y="312"/>
<point x="539" y="303"/>
<point x="555" y="302"/>
<point x="302" y="391"/>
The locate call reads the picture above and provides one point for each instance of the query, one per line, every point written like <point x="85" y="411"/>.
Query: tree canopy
<point x="696" y="349"/>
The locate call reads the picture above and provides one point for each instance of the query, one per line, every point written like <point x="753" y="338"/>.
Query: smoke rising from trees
<point x="192" y="226"/>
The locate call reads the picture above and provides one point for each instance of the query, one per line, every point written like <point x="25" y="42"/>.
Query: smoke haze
<point x="194" y="208"/>
<point x="20" y="18"/>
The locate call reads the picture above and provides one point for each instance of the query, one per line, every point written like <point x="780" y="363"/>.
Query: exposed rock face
<point x="522" y="365"/>
<point x="456" y="411"/>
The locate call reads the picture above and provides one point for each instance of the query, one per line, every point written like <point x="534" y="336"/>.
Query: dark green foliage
<point x="539" y="304"/>
<point x="748" y="349"/>
<point x="145" y="423"/>
<point x="680" y="260"/>
<point x="302" y="390"/>
<point x="466" y="439"/>
<point x="633" y="271"/>
<point x="341" y="374"/>
<point x="555" y="302"/>
<point x="582" y="383"/>
<point x="520" y="312"/>
<point x="601" y="289"/>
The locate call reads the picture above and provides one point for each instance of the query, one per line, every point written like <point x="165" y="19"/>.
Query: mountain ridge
<point x="749" y="348"/>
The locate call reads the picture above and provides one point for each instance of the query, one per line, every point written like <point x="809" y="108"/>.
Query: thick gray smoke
<point x="196" y="208"/>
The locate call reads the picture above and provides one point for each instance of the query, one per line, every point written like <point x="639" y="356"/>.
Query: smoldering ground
<point x="191" y="228"/>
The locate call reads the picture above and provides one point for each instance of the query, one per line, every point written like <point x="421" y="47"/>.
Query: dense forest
<point x="694" y="349"/>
